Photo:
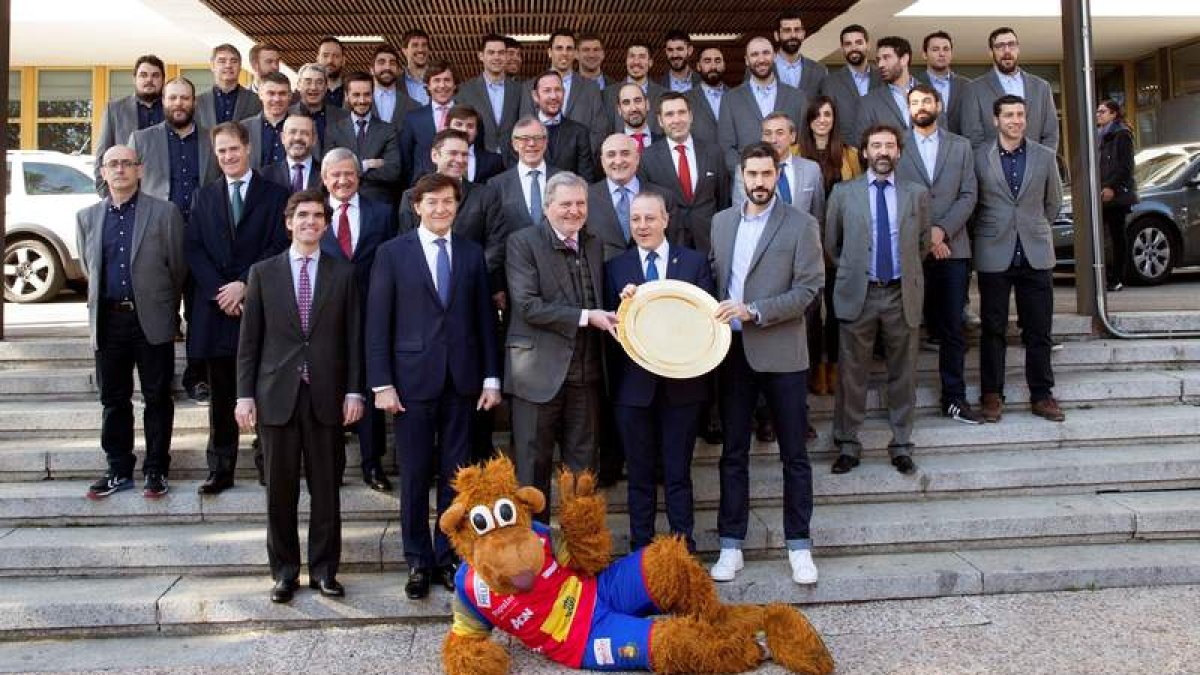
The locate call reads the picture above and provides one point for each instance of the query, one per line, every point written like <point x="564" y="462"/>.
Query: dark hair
<point x="677" y="34"/>
<point x="305" y="197"/>
<point x="225" y="47"/>
<point x="933" y="36"/>
<point x="1114" y="108"/>
<point x="673" y="96"/>
<point x="639" y="42"/>
<point x="923" y="88"/>
<point x="358" y="76"/>
<point x="780" y="115"/>
<point x="511" y="43"/>
<point x="755" y="150"/>
<point x="880" y="129"/>
<point x="537" y="81"/>
<point x="589" y="37"/>
<point x="854" y="28"/>
<point x="563" y="32"/>
<point x="831" y="163"/>
<point x="412" y="33"/>
<point x="464" y="112"/>
<point x="897" y="44"/>
<point x="329" y="39"/>
<point x="432" y="182"/>
<point x="788" y="15"/>
<point x="261" y="47"/>
<point x="276" y="78"/>
<point x="1007" y="99"/>
<point x="490" y="37"/>
<point x="183" y="80"/>
<point x="446" y="134"/>
<point x="437" y="67"/>
<point x="385" y="48"/>
<point x="230" y="128"/>
<point x="999" y="31"/>
<point x="151" y="60"/>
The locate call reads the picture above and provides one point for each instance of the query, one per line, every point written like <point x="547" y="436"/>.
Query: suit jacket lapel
<point x="942" y="151"/>
<point x="284" y="282"/>
<point x="414" y="242"/>
<point x="1028" y="170"/>
<point x="140" y="217"/>
<point x="672" y="263"/>
<point x="993" y="156"/>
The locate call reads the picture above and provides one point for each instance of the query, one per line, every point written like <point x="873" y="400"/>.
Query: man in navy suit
<point x="421" y="124"/>
<point x="236" y="221"/>
<point x="358" y="227"/>
<point x="432" y="359"/>
<point x="481" y="163"/>
<point x="656" y="416"/>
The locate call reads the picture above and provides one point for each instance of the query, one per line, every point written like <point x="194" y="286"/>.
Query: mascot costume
<point x="560" y="595"/>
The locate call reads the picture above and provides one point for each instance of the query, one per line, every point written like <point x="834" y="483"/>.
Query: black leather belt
<point x="119" y="306"/>
<point x="883" y="284"/>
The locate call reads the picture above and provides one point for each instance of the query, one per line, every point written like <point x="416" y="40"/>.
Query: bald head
<point x="121" y="170"/>
<point x="619" y="157"/>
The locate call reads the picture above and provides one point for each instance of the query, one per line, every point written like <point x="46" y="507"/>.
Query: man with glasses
<point x="311" y="83"/>
<point x="1007" y="78"/>
<point x="520" y="188"/>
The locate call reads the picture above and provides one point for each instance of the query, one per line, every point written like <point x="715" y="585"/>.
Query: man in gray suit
<point x="938" y="49"/>
<point x="373" y="141"/>
<point x="493" y="94"/>
<point x="176" y="154"/>
<point x="582" y="100"/>
<point x="227" y="101"/>
<point x="591" y="59"/>
<point x="799" y="183"/>
<point x="1007" y="78"/>
<point x="766" y="258"/>
<point x="943" y="163"/>
<point x="310" y="82"/>
<point x="888" y="104"/>
<point x="553" y="365"/>
<point x="877" y="233"/>
<point x="637" y="69"/>
<point x="143" y="108"/>
<point x="745" y="107"/>
<point x="848" y="84"/>
<point x="299" y="170"/>
<point x="392" y="102"/>
<point x="266" y="128"/>
<point x="519" y="188"/>
<point x="706" y="98"/>
<point x="677" y="45"/>
<point x="1019" y="196"/>
<point x="793" y="68"/>
<point x="131" y="249"/>
<point x="610" y="199"/>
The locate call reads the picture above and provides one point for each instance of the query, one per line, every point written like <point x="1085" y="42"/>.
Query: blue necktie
<point x="443" y="271"/>
<point x="535" y="198"/>
<point x="623" y="211"/>
<point x="784" y="185"/>
<point x="651" y="270"/>
<point x="883" y="235"/>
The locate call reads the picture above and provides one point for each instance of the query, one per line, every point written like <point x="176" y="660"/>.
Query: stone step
<point x="49" y="607"/>
<point x="884" y="527"/>
<point x="939" y="476"/>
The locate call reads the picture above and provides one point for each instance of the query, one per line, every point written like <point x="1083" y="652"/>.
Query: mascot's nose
<point x="523" y="581"/>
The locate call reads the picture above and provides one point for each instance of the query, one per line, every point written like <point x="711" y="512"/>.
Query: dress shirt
<point x="689" y="148"/>
<point x="353" y="214"/>
<point x="430" y="248"/>
<point x="440" y="111"/>
<point x="942" y="85"/>
<point x="495" y="94"/>
<point x="355" y="117"/>
<point x="567" y="81"/>
<point x="583" y="314"/>
<point x="295" y="257"/>
<point x="645" y="85"/>
<point x="523" y="173"/>
<point x="184" y="153"/>
<point x="890" y="198"/>
<point x="660" y="263"/>
<point x="614" y="190"/>
<point x="117" y="242"/>
<point x="789" y="73"/>
<point x="1013" y="165"/>
<point x="416" y="89"/>
<point x="385" y="102"/>
<point x="272" y="142"/>
<point x="900" y="96"/>
<point x="306" y="163"/>
<point x="713" y="96"/>
<point x="225" y="103"/>
<point x="149" y="115"/>
<point x="682" y="86"/>
<point x="600" y="81"/>
<point x="243" y="189"/>
<point x="764" y="95"/>
<point x="862" y="81"/>
<point x="1012" y="84"/>
<point x="318" y="118"/>
<point x="549" y="121"/>
<point x="928" y="147"/>
<point x="749" y="231"/>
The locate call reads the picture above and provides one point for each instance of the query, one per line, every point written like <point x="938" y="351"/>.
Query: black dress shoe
<point x="444" y="575"/>
<point x="284" y="590"/>
<point x="904" y="464"/>
<point x="713" y="435"/>
<point x="258" y="464"/>
<point x="216" y="483"/>
<point x="377" y="481"/>
<point x="417" y="586"/>
<point x="765" y="432"/>
<point x="329" y="587"/>
<point x="843" y="464"/>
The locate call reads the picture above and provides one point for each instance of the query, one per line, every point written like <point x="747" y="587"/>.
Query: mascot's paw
<point x="573" y="486"/>
<point x="473" y="656"/>
<point x="689" y="645"/>
<point x="794" y="643"/>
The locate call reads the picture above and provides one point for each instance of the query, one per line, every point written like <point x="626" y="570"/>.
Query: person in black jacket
<point x="1118" y="193"/>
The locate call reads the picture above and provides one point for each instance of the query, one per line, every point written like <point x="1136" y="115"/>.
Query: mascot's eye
<point x="481" y="520"/>
<point x="506" y="513"/>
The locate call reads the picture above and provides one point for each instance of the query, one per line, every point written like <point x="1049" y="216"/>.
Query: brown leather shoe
<point x="817" y="384"/>
<point x="831" y="378"/>
<point x="992" y="407"/>
<point x="1048" y="409"/>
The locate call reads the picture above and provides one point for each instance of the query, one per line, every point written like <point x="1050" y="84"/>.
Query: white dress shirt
<point x="660" y="263"/>
<point x="353" y="214"/>
<point x="1012" y="84"/>
<point x="470" y="175"/>
<point x="927" y="146"/>
<point x="523" y="173"/>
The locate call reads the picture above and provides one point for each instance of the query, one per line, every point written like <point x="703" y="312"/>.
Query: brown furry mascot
<point x="560" y="595"/>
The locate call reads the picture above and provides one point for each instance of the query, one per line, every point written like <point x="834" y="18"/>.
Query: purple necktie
<point x="297" y="178"/>
<point x="304" y="304"/>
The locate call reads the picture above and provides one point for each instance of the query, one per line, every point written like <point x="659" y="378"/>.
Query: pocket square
<point x="709" y="173"/>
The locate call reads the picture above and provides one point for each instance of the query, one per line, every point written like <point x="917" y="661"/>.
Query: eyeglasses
<point x="1010" y="44"/>
<point x="530" y="139"/>
<point x="121" y="164"/>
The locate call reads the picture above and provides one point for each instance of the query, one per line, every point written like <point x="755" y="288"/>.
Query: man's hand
<point x="602" y="320"/>
<point x="388" y="400"/>
<point x="369" y="164"/>
<point x="939" y="249"/>
<point x="246" y="414"/>
<point x="628" y="291"/>
<point x="229" y="297"/>
<point x="1107" y="194"/>
<point x="500" y="299"/>
<point x="729" y="310"/>
<point x="488" y="399"/>
<point x="352" y="410"/>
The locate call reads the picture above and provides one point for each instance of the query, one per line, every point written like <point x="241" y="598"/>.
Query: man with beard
<point x="568" y="142"/>
<point x="331" y="56"/>
<point x="513" y="59"/>
<point x="877" y="232"/>
<point x="227" y="101"/>
<point x="1008" y="79"/>
<point x="633" y="111"/>
<point x="493" y="94"/>
<point x="264" y="59"/>
<point x="766" y="260"/>
<point x="311" y="83"/>
<point x="421" y="124"/>
<point x="392" y="103"/>
<point x="581" y="100"/>
<point x="610" y="199"/>
<point x="300" y="170"/>
<point x="942" y="163"/>
<point x="637" y="67"/>
<point x="679" y="77"/>
<point x="143" y="108"/>
<point x="792" y="67"/>
<point x="371" y="139"/>
<point x="850" y="83"/>
<point x="415" y="45"/>
<point x="706" y="99"/>
<point x="746" y="106"/>
<point x="939" y="51"/>
<point x="591" y="59"/>
<point x="888" y="105"/>
<point x="266" y="128"/>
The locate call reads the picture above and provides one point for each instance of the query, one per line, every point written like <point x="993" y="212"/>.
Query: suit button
<point x="306" y="343"/>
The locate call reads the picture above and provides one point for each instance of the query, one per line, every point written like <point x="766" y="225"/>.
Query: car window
<point x="56" y="179"/>
<point x="1161" y="166"/>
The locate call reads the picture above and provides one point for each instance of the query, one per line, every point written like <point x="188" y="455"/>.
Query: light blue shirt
<point x="713" y="96"/>
<point x="787" y="72"/>
<point x="682" y="86"/>
<point x="600" y="81"/>
<point x="889" y="196"/>
<point x="416" y="89"/>
<point x="928" y="147"/>
<point x="567" y="81"/>
<point x="749" y="231"/>
<point x="614" y="190"/>
<point x="900" y="96"/>
<point x="495" y="93"/>
<point x="765" y="96"/>
<point x="861" y="80"/>
<point x="942" y="85"/>
<point x="385" y="103"/>
<point x="1012" y="84"/>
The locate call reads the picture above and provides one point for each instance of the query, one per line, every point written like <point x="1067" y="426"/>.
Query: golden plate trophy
<point x="668" y="328"/>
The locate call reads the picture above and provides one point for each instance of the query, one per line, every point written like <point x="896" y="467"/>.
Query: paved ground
<point x="1113" y="632"/>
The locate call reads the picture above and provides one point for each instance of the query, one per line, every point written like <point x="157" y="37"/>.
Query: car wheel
<point x="1153" y="251"/>
<point x="32" y="272"/>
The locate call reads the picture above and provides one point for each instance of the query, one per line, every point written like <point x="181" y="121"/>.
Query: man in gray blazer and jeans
<point x="1019" y="196"/>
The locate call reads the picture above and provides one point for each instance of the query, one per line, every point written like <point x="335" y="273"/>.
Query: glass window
<point x="68" y="137"/>
<point x="65" y="93"/>
<point x="1185" y="70"/>
<point x="120" y="83"/>
<point x="1145" y="82"/>
<point x="56" y="179"/>
<point x="14" y="93"/>
<point x="12" y="134"/>
<point x="1110" y="83"/>
<point x="201" y="77"/>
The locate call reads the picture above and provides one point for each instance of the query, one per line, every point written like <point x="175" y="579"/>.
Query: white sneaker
<point x="728" y="565"/>
<point x="803" y="569"/>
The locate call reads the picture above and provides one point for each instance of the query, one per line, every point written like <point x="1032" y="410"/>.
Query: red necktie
<point x="641" y="141"/>
<point x="685" y="173"/>
<point x="343" y="233"/>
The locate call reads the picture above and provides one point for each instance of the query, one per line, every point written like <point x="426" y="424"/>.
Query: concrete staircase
<point x="1109" y="498"/>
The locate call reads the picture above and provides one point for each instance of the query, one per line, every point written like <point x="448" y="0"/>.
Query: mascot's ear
<point x="533" y="498"/>
<point x="451" y="518"/>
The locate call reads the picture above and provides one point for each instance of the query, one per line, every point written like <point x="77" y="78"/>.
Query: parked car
<point x="45" y="191"/>
<point x="1164" y="227"/>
